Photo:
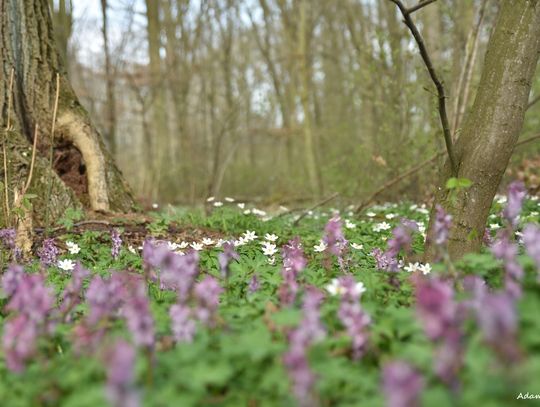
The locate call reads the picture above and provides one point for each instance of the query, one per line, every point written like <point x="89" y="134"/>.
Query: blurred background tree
<point x="279" y="100"/>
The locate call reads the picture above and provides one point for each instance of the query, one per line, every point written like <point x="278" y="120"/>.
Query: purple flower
<point x="19" y="342"/>
<point x="177" y="272"/>
<point x="120" y="364"/>
<point x="32" y="302"/>
<point x="72" y="294"/>
<point x="182" y="324"/>
<point x="116" y="243"/>
<point x="353" y="317"/>
<point x="516" y="195"/>
<point x="295" y="360"/>
<point x="507" y="251"/>
<point x="441" y="226"/>
<point x="207" y="293"/>
<point x="254" y="284"/>
<point x="12" y="278"/>
<point x="48" y="252"/>
<point x="225" y="258"/>
<point x="401" y="240"/>
<point x="7" y="237"/>
<point x="442" y="318"/>
<point x="531" y="239"/>
<point x="104" y="297"/>
<point x="334" y="239"/>
<point x="402" y="385"/>
<point x="136" y="311"/>
<point x="293" y="263"/>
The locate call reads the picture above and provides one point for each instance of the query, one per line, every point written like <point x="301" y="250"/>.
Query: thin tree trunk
<point x="493" y="126"/>
<point x="110" y="104"/>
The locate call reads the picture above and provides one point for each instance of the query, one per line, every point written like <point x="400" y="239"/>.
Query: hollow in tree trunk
<point x="84" y="173"/>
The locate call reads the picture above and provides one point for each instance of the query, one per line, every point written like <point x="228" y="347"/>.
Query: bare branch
<point x="438" y="84"/>
<point x="420" y="5"/>
<point x="533" y="102"/>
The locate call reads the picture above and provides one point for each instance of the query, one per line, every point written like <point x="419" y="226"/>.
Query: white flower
<point x="229" y="199"/>
<point x="240" y="242"/>
<point x="412" y="267"/>
<point x="172" y="246"/>
<point x="494" y="225"/>
<point x="250" y="235"/>
<point x="390" y="215"/>
<point x="371" y="214"/>
<point x="423" y="210"/>
<point x="425" y="268"/>
<point x="321" y="247"/>
<point x="155" y="205"/>
<point x="501" y="199"/>
<point x="207" y="241"/>
<point x="349" y="224"/>
<point x="247" y="212"/>
<point x="66" y="265"/>
<point x="132" y="249"/>
<point x="272" y="260"/>
<point x="413" y="207"/>
<point x="357" y="246"/>
<point x="210" y="199"/>
<point x="179" y="252"/>
<point x="73" y="248"/>
<point x="381" y="226"/>
<point x="335" y="288"/>
<point x="271" y="237"/>
<point x="269" y="249"/>
<point x="183" y="245"/>
<point x="241" y="205"/>
<point x="196" y="246"/>
<point x="217" y="204"/>
<point x="220" y="242"/>
<point x="283" y="208"/>
<point x="258" y="212"/>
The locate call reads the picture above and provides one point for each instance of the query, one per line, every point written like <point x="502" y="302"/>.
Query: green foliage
<point x="239" y="362"/>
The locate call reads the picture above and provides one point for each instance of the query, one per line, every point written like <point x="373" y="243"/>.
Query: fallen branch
<point x="317" y="205"/>
<point x="431" y="70"/>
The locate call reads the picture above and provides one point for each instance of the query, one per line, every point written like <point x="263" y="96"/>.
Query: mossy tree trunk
<point x="494" y="123"/>
<point x="84" y="171"/>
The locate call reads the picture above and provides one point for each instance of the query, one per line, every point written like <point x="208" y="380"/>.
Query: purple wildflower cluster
<point x="352" y="316"/>
<point x="293" y="263"/>
<point x="442" y="318"/>
<point x="225" y="257"/>
<point x="72" y="295"/>
<point x="178" y="273"/>
<point x="516" y="194"/>
<point x="120" y="364"/>
<point x="402" y="385"/>
<point x="531" y="239"/>
<point x="441" y="226"/>
<point x="335" y="241"/>
<point x="401" y="241"/>
<point x="295" y="359"/>
<point x="503" y="249"/>
<point x="48" y="253"/>
<point x="31" y="303"/>
<point x="497" y="318"/>
<point x="7" y="238"/>
<point x="116" y="240"/>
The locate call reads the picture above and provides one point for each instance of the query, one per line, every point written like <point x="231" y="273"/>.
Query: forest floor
<point x="234" y="306"/>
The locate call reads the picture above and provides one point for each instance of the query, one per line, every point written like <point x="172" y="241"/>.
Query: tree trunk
<point x="84" y="171"/>
<point x="494" y="123"/>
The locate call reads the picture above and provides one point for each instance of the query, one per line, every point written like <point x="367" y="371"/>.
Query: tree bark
<point x="493" y="125"/>
<point x="85" y="173"/>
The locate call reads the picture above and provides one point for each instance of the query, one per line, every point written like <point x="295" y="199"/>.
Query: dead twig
<point x="317" y="205"/>
<point x="431" y="70"/>
<point x="30" y="173"/>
